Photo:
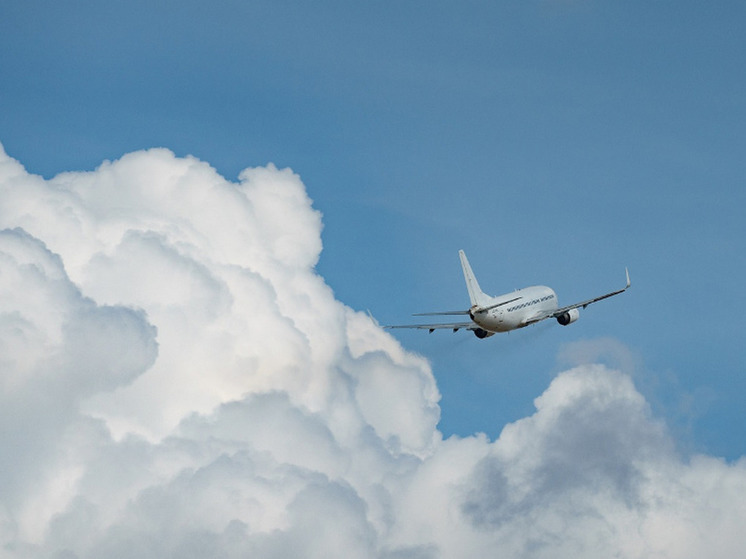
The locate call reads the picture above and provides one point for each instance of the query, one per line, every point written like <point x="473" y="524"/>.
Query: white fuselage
<point x="523" y="306"/>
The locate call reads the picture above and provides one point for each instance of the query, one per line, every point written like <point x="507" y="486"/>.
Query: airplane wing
<point x="559" y="312"/>
<point x="455" y="326"/>
<point x="584" y="304"/>
<point x="538" y="317"/>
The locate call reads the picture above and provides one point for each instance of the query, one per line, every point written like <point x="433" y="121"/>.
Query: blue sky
<point x="556" y="142"/>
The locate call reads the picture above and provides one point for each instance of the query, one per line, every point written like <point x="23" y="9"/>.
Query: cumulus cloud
<point x="177" y="380"/>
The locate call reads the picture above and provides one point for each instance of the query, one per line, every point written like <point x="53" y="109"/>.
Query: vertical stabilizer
<point x="476" y="295"/>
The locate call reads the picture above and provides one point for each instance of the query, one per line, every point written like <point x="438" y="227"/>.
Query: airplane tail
<point x="476" y="295"/>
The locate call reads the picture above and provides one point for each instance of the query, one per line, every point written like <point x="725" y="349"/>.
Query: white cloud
<point x="57" y="348"/>
<point x="177" y="380"/>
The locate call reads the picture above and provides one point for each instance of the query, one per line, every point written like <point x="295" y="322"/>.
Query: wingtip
<point x="370" y="315"/>
<point x="626" y="271"/>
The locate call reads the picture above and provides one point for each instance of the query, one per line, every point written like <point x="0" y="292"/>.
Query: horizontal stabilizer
<point x="444" y="313"/>
<point x="455" y="326"/>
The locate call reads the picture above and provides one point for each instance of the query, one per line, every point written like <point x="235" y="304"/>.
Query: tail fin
<point x="476" y="295"/>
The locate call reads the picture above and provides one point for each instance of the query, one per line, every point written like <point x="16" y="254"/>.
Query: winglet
<point x="626" y="270"/>
<point x="373" y="320"/>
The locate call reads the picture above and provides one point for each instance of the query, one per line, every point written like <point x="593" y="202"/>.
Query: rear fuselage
<point x="524" y="304"/>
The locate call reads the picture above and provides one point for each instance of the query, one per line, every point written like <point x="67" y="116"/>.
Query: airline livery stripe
<point x="529" y="303"/>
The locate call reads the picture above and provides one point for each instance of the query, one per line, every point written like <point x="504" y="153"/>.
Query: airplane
<point x="523" y="307"/>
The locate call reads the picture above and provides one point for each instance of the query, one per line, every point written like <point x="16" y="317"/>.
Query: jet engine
<point x="568" y="317"/>
<point x="481" y="334"/>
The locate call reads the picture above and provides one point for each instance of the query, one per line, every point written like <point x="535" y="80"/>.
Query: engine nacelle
<point x="482" y="334"/>
<point x="568" y="317"/>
